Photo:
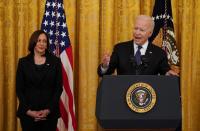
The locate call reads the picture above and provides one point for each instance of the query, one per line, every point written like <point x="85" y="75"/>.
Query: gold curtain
<point x="94" y="27"/>
<point x="190" y="60"/>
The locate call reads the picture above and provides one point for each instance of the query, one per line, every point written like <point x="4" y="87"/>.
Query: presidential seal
<point x="141" y="97"/>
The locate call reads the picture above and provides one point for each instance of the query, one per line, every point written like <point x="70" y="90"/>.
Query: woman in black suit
<point x="39" y="86"/>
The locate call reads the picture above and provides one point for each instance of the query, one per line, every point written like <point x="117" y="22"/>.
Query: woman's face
<point x="41" y="44"/>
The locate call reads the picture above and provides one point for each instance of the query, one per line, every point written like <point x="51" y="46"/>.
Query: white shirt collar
<point x="143" y="49"/>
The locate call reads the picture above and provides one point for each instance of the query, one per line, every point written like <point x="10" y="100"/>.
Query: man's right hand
<point x="105" y="60"/>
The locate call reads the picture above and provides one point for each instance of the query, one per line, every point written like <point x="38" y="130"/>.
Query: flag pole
<point x="57" y="53"/>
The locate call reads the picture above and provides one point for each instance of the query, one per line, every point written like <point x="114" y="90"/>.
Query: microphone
<point x="145" y="61"/>
<point x="139" y="68"/>
<point x="132" y="60"/>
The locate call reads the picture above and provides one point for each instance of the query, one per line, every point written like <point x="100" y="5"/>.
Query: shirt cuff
<point x="103" y="69"/>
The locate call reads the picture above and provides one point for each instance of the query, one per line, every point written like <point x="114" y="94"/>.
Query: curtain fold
<point x="95" y="26"/>
<point x="88" y="45"/>
<point x="9" y="67"/>
<point x="190" y="73"/>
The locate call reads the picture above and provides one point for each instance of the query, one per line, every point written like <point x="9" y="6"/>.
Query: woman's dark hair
<point x="34" y="39"/>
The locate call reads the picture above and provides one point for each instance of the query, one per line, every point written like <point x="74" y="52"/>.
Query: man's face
<point x="142" y="31"/>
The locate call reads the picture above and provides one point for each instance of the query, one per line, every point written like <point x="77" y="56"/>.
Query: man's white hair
<point x="147" y="18"/>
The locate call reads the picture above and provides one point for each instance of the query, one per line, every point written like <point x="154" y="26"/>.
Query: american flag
<point x="162" y="16"/>
<point x="54" y="23"/>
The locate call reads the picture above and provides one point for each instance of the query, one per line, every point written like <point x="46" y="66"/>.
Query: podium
<point x="113" y="112"/>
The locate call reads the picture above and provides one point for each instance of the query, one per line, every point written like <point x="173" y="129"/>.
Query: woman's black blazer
<point x="37" y="91"/>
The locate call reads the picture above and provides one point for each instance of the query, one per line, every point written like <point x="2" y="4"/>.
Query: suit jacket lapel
<point x="131" y="57"/>
<point x="130" y="47"/>
<point x="46" y="69"/>
<point x="33" y="70"/>
<point x="149" y="51"/>
<point x="146" y="59"/>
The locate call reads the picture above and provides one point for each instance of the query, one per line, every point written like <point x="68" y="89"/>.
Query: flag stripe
<point x="69" y="54"/>
<point x="60" y="125"/>
<point x="65" y="99"/>
<point x="70" y="96"/>
<point x="67" y="67"/>
<point x="64" y="114"/>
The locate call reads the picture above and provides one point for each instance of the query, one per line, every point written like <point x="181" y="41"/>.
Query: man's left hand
<point x="171" y="72"/>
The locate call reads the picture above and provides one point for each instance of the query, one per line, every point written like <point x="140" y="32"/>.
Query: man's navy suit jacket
<point x="153" y="62"/>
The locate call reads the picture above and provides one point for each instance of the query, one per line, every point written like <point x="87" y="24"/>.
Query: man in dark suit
<point x="138" y="56"/>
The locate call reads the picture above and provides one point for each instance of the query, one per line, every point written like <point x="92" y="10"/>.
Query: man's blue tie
<point x="138" y="56"/>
